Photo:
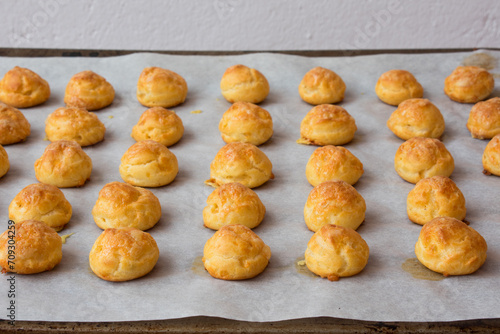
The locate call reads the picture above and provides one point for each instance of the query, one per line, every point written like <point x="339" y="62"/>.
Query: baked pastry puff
<point x="327" y="124"/>
<point x="330" y="163"/>
<point x="240" y="162"/>
<point x="123" y="254"/>
<point x="416" y="118"/>
<point x="36" y="246"/>
<point x="233" y="203"/>
<point x="234" y="252"/>
<point x="14" y="127"/>
<point x="4" y="161"/>
<point x="334" y="202"/>
<point x="450" y="247"/>
<point x="246" y="122"/>
<point x="491" y="157"/>
<point x="437" y="196"/>
<point x="321" y="86"/>
<point x="419" y="158"/>
<point x="484" y="119"/>
<point x="75" y="124"/>
<point x="159" y="124"/>
<point x="240" y="83"/>
<point x="148" y="164"/>
<point x="159" y="87"/>
<point x="469" y="84"/>
<point x="63" y="164"/>
<point x="336" y="251"/>
<point x="395" y="86"/>
<point x="42" y="202"/>
<point x="122" y="205"/>
<point x="88" y="90"/>
<point x="23" y="88"/>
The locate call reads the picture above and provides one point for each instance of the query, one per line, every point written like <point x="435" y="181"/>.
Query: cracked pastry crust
<point x="38" y="248"/>
<point x="491" y="156"/>
<point x="484" y="119"/>
<point x="159" y="124"/>
<point x="240" y="83"/>
<point x="122" y="205"/>
<point x="469" y="84"/>
<point x="63" y="164"/>
<point x="327" y="124"/>
<point x="437" y="196"/>
<point x="450" y="247"/>
<point x="4" y="161"/>
<point x="14" y="127"/>
<point x="329" y="163"/>
<point x="321" y="86"/>
<point x="42" y="202"/>
<point x="395" y="86"/>
<point x="334" y="202"/>
<point x="123" y="254"/>
<point x="246" y="122"/>
<point x="235" y="253"/>
<point x="419" y="158"/>
<point x="233" y="203"/>
<point x="240" y="162"/>
<point x="148" y="164"/>
<point x="416" y="118"/>
<point x="23" y="88"/>
<point x="159" y="87"/>
<point x="336" y="251"/>
<point x="88" y="90"/>
<point x="75" y="124"/>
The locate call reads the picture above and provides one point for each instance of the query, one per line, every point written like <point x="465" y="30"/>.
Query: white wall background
<point x="225" y="25"/>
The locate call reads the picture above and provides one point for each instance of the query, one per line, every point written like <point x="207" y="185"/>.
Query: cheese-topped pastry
<point x="395" y="86"/>
<point x="419" y="158"/>
<point x="336" y="251"/>
<point x="14" y="127"/>
<point x="4" y="161"/>
<point x="437" y="196"/>
<point x="334" y="202"/>
<point x="240" y="162"/>
<point x="240" y="83"/>
<point x="329" y="163"/>
<point x="234" y="252"/>
<point x="159" y="87"/>
<point x="23" y="88"/>
<point x="450" y="247"/>
<point x="469" y="84"/>
<point x="123" y="254"/>
<point x="63" y="164"/>
<point x="38" y="248"/>
<point x="123" y="205"/>
<point x="233" y="203"/>
<point x="484" y="119"/>
<point x="246" y="122"/>
<point x="42" y="202"/>
<point x="416" y="118"/>
<point x="321" y="86"/>
<point x="75" y="124"/>
<point x="148" y="164"/>
<point x="491" y="156"/>
<point x="159" y="124"/>
<point x="88" y="90"/>
<point x="327" y="124"/>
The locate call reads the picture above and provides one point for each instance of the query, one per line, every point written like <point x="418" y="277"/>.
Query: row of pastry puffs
<point x="334" y="208"/>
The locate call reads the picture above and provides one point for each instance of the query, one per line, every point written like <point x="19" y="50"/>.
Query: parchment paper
<point x="179" y="286"/>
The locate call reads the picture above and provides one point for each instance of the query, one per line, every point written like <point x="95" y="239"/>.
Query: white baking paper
<point x="178" y="286"/>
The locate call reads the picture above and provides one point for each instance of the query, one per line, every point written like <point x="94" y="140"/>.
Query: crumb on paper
<point x="217" y="99"/>
<point x="110" y="116"/>
<point x="46" y="138"/>
<point x="196" y="111"/>
<point x="301" y="262"/>
<point x="66" y="236"/>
